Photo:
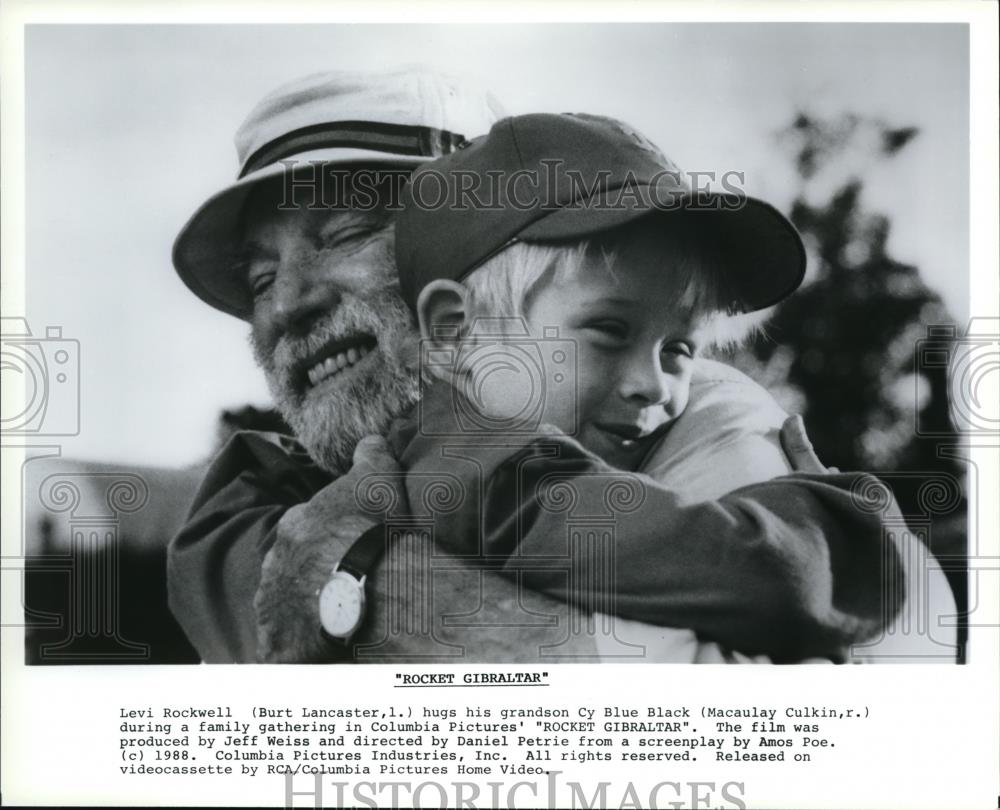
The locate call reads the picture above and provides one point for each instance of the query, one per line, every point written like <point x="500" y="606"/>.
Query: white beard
<point x="366" y="402"/>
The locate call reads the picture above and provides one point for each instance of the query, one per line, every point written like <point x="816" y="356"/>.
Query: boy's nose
<point x="643" y="382"/>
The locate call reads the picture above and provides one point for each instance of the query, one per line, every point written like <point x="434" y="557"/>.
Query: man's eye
<point x="344" y="236"/>
<point x="260" y="282"/>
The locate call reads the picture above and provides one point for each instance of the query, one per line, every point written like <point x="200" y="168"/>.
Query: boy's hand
<point x="312" y="538"/>
<point x="799" y="449"/>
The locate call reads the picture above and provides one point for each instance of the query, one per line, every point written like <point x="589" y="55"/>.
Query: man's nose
<point x="644" y="382"/>
<point x="301" y="297"/>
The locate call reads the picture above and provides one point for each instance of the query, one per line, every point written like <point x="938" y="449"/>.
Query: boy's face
<point x="635" y="350"/>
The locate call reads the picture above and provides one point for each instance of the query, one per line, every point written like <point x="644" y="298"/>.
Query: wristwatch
<point x="342" y="599"/>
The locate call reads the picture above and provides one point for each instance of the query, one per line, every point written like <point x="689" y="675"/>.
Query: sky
<point x="129" y="129"/>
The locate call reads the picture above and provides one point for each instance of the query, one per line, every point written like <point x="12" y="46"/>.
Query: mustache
<point x="379" y="313"/>
<point x="350" y="318"/>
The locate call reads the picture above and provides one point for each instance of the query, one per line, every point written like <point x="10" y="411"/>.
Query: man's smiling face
<point x="329" y="329"/>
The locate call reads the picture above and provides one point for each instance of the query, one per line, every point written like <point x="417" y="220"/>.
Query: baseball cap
<point x="549" y="177"/>
<point x="397" y="119"/>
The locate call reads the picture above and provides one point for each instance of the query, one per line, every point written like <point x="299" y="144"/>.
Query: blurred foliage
<point x="844" y="350"/>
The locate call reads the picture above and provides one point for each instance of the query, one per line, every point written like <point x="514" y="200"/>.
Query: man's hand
<point x="312" y="538"/>
<point x="799" y="449"/>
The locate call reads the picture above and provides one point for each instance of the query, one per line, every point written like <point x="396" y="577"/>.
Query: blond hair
<point x="503" y="285"/>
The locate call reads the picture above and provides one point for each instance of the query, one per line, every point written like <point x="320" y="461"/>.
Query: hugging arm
<point x="753" y="570"/>
<point x="266" y="528"/>
<point x="410" y="591"/>
<point x="790" y="567"/>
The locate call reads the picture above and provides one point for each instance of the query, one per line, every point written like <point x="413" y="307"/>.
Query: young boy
<point x="563" y="310"/>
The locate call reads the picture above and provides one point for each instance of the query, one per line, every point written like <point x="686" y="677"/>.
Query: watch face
<point x="341" y="605"/>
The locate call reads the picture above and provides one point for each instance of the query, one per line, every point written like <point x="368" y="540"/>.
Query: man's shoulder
<point x="727" y="436"/>
<point x="263" y="446"/>
<point x="708" y="372"/>
<point x="724" y="390"/>
<point x="262" y="459"/>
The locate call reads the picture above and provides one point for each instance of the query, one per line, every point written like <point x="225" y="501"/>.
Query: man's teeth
<point x="335" y="364"/>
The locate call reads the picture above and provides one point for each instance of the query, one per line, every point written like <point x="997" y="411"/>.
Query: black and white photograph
<point x="502" y="354"/>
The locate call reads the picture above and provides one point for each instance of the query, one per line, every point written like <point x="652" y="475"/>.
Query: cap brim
<point x="761" y="247"/>
<point x="204" y="250"/>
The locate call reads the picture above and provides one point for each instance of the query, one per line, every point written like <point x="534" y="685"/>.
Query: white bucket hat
<point x="398" y="118"/>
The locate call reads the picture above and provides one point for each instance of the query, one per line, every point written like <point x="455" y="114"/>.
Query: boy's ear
<point x="442" y="310"/>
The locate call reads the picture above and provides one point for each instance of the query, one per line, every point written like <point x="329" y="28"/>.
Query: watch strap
<point x="364" y="552"/>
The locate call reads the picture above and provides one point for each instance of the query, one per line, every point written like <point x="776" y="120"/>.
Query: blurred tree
<point x="843" y="350"/>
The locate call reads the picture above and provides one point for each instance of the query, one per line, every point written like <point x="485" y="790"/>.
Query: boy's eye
<point x="616" y="330"/>
<point x="678" y="349"/>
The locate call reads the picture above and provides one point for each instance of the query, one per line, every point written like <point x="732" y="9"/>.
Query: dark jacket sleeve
<point x="213" y="565"/>
<point x="792" y="567"/>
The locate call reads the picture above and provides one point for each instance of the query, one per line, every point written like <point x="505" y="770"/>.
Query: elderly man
<point x="301" y="247"/>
